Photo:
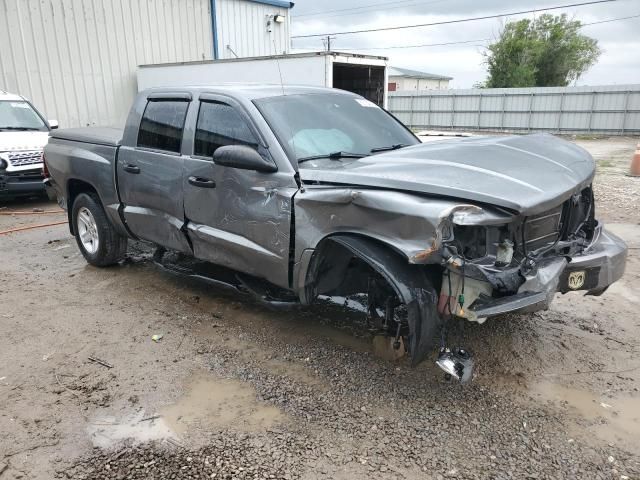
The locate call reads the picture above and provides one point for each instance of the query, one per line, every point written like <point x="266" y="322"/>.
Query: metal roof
<point x="336" y="55"/>
<point x="405" y="72"/>
<point x="10" y="96"/>
<point x="248" y="91"/>
<point x="275" y="3"/>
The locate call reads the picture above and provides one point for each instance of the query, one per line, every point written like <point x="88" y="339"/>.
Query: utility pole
<point x="327" y="42"/>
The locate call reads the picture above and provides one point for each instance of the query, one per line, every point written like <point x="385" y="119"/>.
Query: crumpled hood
<point x="528" y="174"/>
<point x="13" y="141"/>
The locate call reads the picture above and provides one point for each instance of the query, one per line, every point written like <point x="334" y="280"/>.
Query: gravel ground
<point x="617" y="195"/>
<point x="370" y="419"/>
<point x="238" y="390"/>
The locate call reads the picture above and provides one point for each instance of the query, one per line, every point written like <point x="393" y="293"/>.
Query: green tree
<point x="547" y="52"/>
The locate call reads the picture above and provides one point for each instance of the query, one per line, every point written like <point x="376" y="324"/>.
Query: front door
<point x="237" y="218"/>
<point x="150" y="175"/>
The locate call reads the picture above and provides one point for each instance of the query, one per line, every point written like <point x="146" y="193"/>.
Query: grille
<point x="542" y="229"/>
<point x="562" y="222"/>
<point x="25" y="175"/>
<point x="19" y="159"/>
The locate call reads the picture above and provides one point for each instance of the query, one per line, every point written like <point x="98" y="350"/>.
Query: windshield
<point x="332" y="125"/>
<point x="20" y="116"/>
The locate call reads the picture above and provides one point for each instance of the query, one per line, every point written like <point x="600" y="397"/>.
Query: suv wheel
<point x="100" y="244"/>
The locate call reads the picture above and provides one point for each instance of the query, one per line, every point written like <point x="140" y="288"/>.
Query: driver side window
<point x="218" y="125"/>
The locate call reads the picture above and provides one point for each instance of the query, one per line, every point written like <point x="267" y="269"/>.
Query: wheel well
<point x="75" y="188"/>
<point x="336" y="270"/>
<point x="347" y="264"/>
<point x="341" y="267"/>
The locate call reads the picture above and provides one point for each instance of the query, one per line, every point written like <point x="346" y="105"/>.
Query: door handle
<point x="131" y="168"/>
<point x="202" y="182"/>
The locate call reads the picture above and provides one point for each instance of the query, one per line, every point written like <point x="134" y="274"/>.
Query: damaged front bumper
<point x="593" y="270"/>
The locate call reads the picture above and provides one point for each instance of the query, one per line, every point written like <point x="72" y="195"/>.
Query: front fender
<point x="411" y="223"/>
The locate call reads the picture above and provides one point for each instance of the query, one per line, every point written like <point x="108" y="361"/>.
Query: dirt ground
<point x="234" y="389"/>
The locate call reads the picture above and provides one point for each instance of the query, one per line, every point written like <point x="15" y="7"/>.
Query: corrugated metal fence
<point x="609" y="109"/>
<point x="77" y="59"/>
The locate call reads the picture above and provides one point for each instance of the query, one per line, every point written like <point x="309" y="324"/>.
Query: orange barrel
<point x="634" y="170"/>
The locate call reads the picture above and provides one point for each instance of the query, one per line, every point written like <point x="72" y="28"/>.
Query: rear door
<point x="237" y="218"/>
<point x="149" y="171"/>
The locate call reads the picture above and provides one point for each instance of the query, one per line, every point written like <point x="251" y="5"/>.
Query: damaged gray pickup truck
<point x="306" y="192"/>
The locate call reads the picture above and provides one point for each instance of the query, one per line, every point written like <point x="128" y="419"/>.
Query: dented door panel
<point x="152" y="198"/>
<point x="244" y="222"/>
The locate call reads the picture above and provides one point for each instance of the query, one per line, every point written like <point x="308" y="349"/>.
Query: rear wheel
<point x="100" y="244"/>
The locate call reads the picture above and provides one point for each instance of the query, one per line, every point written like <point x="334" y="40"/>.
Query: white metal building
<point x="76" y="60"/>
<point x="251" y="28"/>
<point x="405" y="79"/>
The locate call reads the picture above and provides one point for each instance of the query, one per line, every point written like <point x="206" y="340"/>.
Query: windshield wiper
<point x="332" y="156"/>
<point x="19" y="128"/>
<point x="390" y="147"/>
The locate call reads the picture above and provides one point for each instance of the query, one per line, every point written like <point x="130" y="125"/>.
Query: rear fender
<point x="409" y="282"/>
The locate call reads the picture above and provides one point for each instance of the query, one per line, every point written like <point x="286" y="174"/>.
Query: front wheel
<point x="100" y="244"/>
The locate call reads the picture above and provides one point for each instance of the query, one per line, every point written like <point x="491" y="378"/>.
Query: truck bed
<point x="86" y="156"/>
<point x="110" y="136"/>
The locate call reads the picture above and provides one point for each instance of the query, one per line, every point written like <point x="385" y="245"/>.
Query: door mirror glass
<point x="53" y="124"/>
<point x="241" y="156"/>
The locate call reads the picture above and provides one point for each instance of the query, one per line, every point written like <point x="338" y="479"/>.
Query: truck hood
<point x="528" y="174"/>
<point x="13" y="141"/>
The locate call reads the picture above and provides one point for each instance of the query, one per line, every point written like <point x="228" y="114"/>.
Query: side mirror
<point x="241" y="156"/>
<point x="53" y="124"/>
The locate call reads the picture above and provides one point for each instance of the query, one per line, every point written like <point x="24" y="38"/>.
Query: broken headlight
<point x="471" y="241"/>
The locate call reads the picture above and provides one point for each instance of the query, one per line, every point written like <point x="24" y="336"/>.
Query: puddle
<point x="208" y="402"/>
<point x="383" y="348"/>
<point x="615" y="420"/>
<point x="213" y="402"/>
<point x="106" y="431"/>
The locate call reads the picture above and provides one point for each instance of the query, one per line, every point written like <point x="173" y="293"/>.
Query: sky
<point x="619" y="40"/>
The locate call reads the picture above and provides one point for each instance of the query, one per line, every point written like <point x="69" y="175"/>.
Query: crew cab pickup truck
<point x="319" y="192"/>
<point x="23" y="134"/>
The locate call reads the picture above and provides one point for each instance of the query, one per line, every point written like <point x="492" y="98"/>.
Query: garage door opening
<point x="365" y="80"/>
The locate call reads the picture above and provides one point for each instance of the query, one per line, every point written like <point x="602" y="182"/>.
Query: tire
<point x="100" y="244"/>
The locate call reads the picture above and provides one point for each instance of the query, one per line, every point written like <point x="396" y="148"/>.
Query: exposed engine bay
<point x="484" y="263"/>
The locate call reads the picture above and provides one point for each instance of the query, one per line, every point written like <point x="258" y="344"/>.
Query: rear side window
<point x="220" y="124"/>
<point x="162" y="124"/>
